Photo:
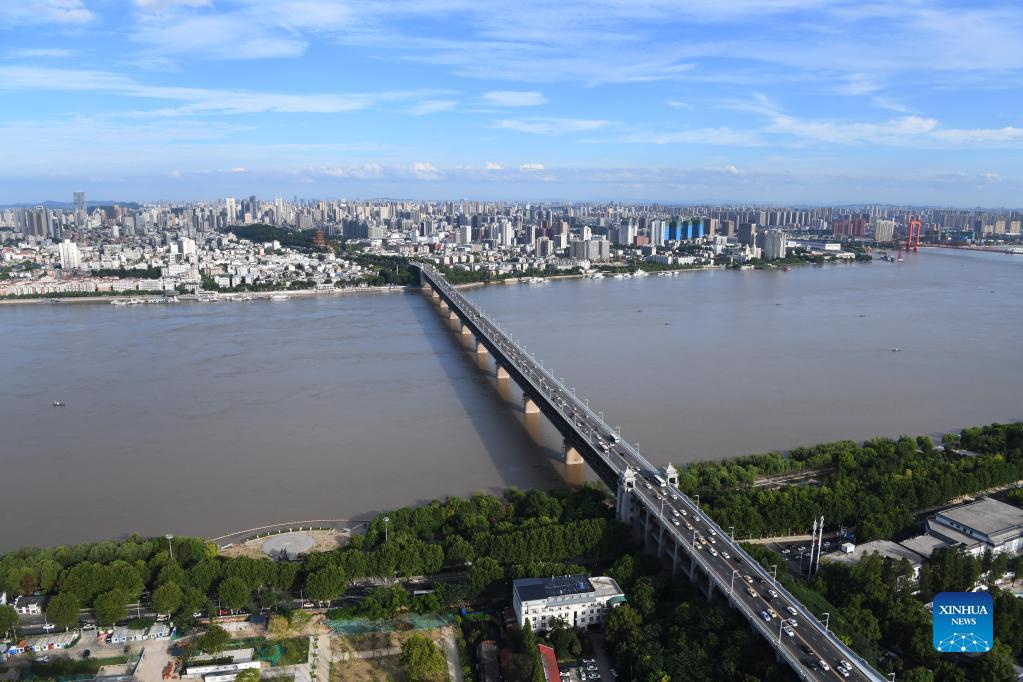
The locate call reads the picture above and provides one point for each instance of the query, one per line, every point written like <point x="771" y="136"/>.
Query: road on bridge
<point x="796" y="634"/>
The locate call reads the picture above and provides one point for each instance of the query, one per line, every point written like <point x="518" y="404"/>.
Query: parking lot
<point x="592" y="667"/>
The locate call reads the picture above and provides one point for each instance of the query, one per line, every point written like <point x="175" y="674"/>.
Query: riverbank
<point x="220" y="296"/>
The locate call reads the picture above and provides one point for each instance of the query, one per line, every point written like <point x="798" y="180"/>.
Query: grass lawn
<point x="382" y="669"/>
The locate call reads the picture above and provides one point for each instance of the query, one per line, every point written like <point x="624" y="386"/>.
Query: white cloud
<point x="192" y="100"/>
<point x="362" y="171"/>
<point x="39" y="53"/>
<point x="709" y="136"/>
<point x="29" y="12"/>
<point x="491" y="166"/>
<point x="432" y="106"/>
<point x="425" y="171"/>
<point x="551" y="126"/>
<point x="165" y="4"/>
<point x="531" y="167"/>
<point x="676" y="104"/>
<point x="514" y="98"/>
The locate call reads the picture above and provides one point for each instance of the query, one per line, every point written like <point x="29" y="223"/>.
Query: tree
<point x="111" y="607"/>
<point x="278" y="627"/>
<point x="326" y="584"/>
<point x="423" y="660"/>
<point x="62" y="610"/>
<point x="215" y="639"/>
<point x="234" y="592"/>
<point x="250" y="675"/>
<point x="995" y="666"/>
<point x="167" y="598"/>
<point x="483" y="573"/>
<point x="8" y="618"/>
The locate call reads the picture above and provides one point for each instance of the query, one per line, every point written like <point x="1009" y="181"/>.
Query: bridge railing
<point x="495" y="330"/>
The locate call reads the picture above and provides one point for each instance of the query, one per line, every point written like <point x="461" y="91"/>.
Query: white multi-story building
<point x="70" y="256"/>
<point x="576" y="600"/>
<point x="775" y="242"/>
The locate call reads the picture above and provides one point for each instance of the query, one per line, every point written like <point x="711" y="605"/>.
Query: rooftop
<point x="885" y="548"/>
<point x="531" y="589"/>
<point x="986" y="516"/>
<point x="924" y="545"/>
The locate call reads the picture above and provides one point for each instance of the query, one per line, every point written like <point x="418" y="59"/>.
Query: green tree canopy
<point x="62" y="610"/>
<point x="111" y="607"/>
<point x="234" y="592"/>
<point x="166" y="598"/>
<point x="423" y="660"/>
<point x="215" y="639"/>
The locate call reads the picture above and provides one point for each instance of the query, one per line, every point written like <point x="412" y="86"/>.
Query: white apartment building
<point x="575" y="599"/>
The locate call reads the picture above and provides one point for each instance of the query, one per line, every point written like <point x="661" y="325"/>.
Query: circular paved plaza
<point x="287" y="544"/>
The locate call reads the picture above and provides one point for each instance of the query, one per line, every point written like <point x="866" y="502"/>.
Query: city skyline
<point x="783" y="102"/>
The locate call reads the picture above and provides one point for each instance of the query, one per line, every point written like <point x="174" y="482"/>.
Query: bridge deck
<point x="708" y="546"/>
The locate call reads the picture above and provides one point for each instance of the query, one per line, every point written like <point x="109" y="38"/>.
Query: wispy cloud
<point x="38" y="53"/>
<point x="551" y="125"/>
<point x="30" y="12"/>
<point x="193" y="100"/>
<point x="514" y="98"/>
<point x="432" y="106"/>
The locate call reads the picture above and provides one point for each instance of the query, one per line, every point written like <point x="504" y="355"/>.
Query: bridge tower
<point x="670" y="474"/>
<point x="913" y="239"/>
<point x="626" y="486"/>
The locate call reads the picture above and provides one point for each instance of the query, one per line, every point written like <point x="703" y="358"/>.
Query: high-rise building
<point x="80" y="206"/>
<point x="70" y="257"/>
<point x="774" y="244"/>
<point x="884" y="230"/>
<point x="748" y="233"/>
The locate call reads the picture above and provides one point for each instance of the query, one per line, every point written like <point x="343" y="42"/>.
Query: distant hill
<point x="68" y="205"/>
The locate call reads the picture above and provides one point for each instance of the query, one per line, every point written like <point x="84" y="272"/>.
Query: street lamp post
<point x="697" y="496"/>
<point x="731" y="584"/>
<point x="781" y="623"/>
<point x="827" y="620"/>
<point x="731" y="532"/>
<point x="774" y="573"/>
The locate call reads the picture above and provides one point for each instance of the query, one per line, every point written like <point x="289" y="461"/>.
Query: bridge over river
<point x="648" y="499"/>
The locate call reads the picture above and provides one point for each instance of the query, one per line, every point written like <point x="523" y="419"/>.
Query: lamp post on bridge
<point x="731" y="532"/>
<point x="827" y="620"/>
<point x="697" y="496"/>
<point x="731" y="584"/>
<point x="774" y="573"/>
<point x="781" y="623"/>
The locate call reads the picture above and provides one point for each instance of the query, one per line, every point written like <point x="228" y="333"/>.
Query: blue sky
<point x="789" y="101"/>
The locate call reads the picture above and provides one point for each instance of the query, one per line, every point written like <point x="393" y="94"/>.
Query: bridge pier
<point x="465" y="330"/>
<point x="624" y="500"/>
<point x="502" y="373"/>
<point x="528" y="406"/>
<point x="453" y="316"/>
<point x="433" y="294"/>
<point x="569" y="454"/>
<point x="444" y="306"/>
<point x="480" y="348"/>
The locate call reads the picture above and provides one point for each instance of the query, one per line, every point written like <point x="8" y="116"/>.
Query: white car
<point x="793" y="622"/>
<point x="48" y="626"/>
<point x="725" y="555"/>
<point x="791" y="610"/>
<point x="789" y="631"/>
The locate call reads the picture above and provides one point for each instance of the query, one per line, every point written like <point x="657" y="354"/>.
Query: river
<point x="211" y="418"/>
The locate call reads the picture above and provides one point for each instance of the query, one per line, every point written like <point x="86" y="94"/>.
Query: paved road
<point x="720" y="557"/>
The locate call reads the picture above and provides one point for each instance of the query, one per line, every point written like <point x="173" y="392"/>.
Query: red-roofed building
<point x="550" y="663"/>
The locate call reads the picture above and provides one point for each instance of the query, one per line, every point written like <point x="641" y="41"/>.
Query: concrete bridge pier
<point x="480" y="348"/>
<point x="444" y="306"/>
<point x="466" y="332"/>
<point x="569" y="454"/>
<point x="453" y="316"/>
<point x="528" y="406"/>
<point x="502" y="373"/>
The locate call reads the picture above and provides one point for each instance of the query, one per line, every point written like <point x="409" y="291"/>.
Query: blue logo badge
<point x="963" y="622"/>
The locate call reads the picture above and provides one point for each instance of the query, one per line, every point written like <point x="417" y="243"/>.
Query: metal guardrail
<point x="499" y="338"/>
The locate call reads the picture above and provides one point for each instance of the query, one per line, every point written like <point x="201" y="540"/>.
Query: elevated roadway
<point x="648" y="499"/>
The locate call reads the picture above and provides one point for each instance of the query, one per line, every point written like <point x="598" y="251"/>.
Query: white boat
<point x="278" y="297"/>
